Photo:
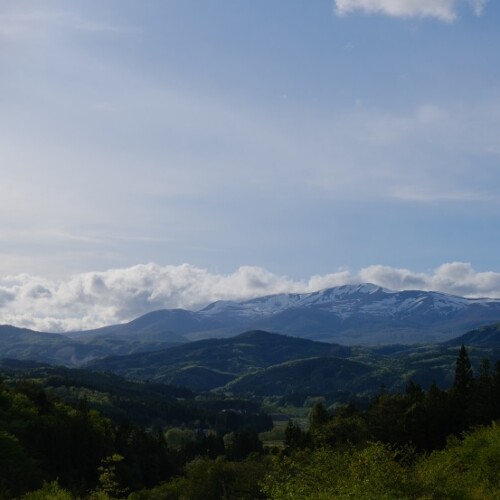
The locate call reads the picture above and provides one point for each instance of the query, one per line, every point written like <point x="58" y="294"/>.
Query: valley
<point x="151" y="392"/>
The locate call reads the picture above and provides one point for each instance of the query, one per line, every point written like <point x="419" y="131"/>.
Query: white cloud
<point x="458" y="278"/>
<point x="93" y="299"/>
<point x="478" y="6"/>
<point x="444" y="10"/>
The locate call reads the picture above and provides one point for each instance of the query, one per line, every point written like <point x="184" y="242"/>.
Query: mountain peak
<point x="352" y="289"/>
<point x="352" y="312"/>
<point x="361" y="287"/>
<point x="349" y="314"/>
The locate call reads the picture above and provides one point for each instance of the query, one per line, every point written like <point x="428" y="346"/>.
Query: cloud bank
<point x="93" y="299"/>
<point x="444" y="10"/>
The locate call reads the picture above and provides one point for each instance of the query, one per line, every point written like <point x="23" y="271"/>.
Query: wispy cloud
<point x="410" y="154"/>
<point x="478" y="6"/>
<point x="409" y="194"/>
<point x="94" y="299"/>
<point x="444" y="10"/>
<point x="20" y="23"/>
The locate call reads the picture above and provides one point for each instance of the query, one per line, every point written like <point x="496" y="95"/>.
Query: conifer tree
<point x="461" y="394"/>
<point x="482" y="408"/>
<point x="463" y="374"/>
<point x="318" y="416"/>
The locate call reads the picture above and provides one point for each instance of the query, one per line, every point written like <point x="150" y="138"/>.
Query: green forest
<point x="423" y="444"/>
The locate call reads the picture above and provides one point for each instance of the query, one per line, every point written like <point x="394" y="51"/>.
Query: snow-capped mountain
<point x="346" y="301"/>
<point x="350" y="314"/>
<point x="273" y="304"/>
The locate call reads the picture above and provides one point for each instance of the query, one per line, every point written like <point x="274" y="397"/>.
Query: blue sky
<point x="301" y="138"/>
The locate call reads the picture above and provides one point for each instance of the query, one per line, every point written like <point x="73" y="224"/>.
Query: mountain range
<point x="351" y="314"/>
<point x="363" y="314"/>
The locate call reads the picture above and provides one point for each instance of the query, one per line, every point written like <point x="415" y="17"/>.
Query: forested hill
<point x="252" y="349"/>
<point x="487" y="336"/>
<point x="270" y="364"/>
<point x="22" y="343"/>
<point x="144" y="403"/>
<point x="263" y="363"/>
<point x="211" y="363"/>
<point x="408" y="445"/>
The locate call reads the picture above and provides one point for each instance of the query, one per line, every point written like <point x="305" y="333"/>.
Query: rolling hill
<point x="211" y="363"/>
<point x="25" y="344"/>
<point x="487" y="336"/>
<point x="259" y="363"/>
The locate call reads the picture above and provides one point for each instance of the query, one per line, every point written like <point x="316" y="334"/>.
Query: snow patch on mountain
<point x="348" y="300"/>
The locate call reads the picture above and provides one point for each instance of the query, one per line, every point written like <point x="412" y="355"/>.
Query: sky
<point x="174" y="152"/>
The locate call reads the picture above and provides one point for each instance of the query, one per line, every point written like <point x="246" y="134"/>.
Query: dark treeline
<point x="44" y="439"/>
<point x="423" y="419"/>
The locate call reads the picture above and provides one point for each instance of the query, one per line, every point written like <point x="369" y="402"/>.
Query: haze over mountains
<point x="351" y="315"/>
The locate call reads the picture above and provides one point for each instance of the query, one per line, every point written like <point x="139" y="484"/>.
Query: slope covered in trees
<point x="44" y="439"/>
<point x="417" y="444"/>
<point x="260" y="363"/>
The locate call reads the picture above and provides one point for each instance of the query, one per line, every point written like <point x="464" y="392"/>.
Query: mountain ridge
<point x="363" y="314"/>
<point x="349" y="314"/>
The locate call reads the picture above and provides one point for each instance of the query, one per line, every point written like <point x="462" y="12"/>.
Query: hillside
<point x="21" y="343"/>
<point x="259" y="363"/>
<point x="121" y="399"/>
<point x="150" y="326"/>
<point x="25" y="344"/>
<point x="211" y="363"/>
<point x="487" y="336"/>
<point x="328" y="377"/>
